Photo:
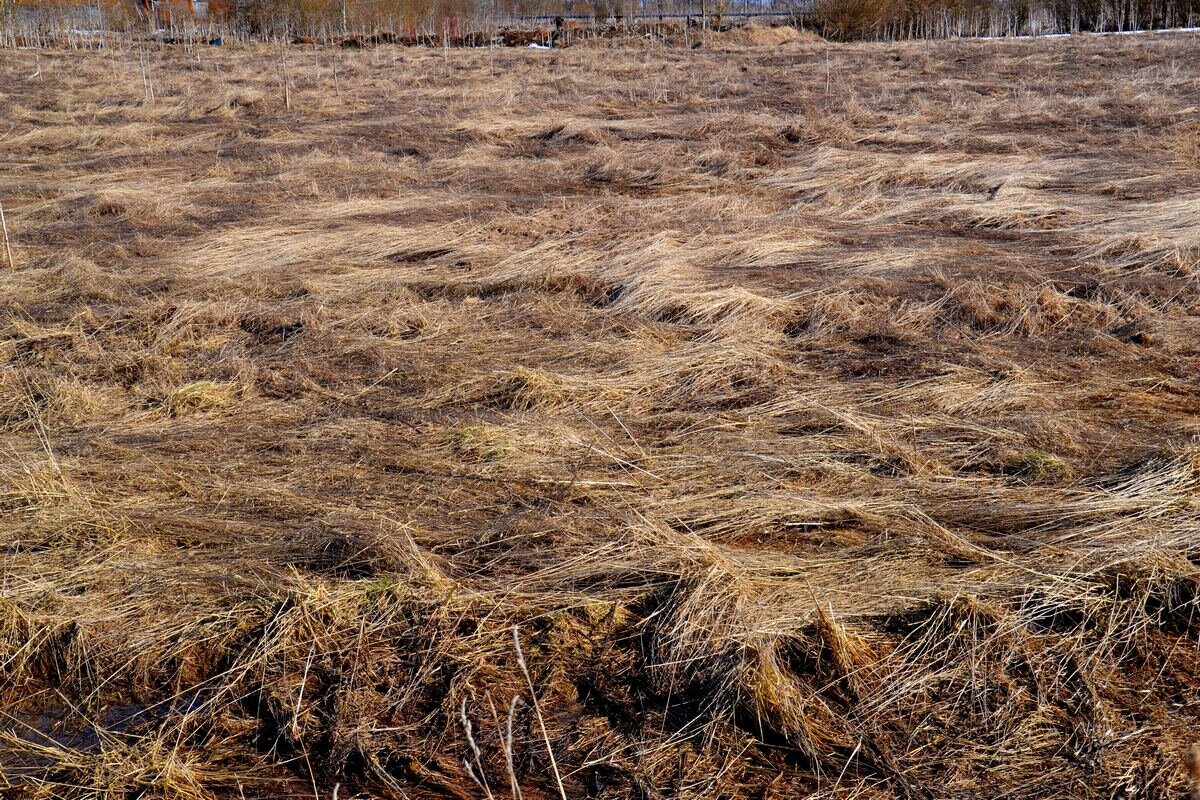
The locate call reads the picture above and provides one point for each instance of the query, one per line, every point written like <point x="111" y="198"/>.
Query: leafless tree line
<point x="31" y="23"/>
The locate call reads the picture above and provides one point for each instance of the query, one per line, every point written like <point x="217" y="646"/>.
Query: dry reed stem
<point x="12" y="264"/>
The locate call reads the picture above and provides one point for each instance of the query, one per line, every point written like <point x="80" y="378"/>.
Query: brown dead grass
<point x="759" y="35"/>
<point x="822" y="419"/>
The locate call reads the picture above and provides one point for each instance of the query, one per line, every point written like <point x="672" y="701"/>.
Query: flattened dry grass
<point x="805" y="419"/>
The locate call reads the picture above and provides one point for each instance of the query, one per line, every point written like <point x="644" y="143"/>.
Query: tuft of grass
<point x="201" y="396"/>
<point x="1038" y="465"/>
<point x="482" y="442"/>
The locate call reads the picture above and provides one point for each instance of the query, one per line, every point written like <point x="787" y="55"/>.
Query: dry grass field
<point x="746" y="422"/>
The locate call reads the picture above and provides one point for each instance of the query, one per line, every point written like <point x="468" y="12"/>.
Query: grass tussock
<point x="764" y="420"/>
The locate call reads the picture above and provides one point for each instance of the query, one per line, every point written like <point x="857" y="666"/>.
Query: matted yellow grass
<point x="823" y="418"/>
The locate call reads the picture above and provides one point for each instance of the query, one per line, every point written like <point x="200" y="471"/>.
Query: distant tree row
<point x="896" y="19"/>
<point x="836" y="19"/>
